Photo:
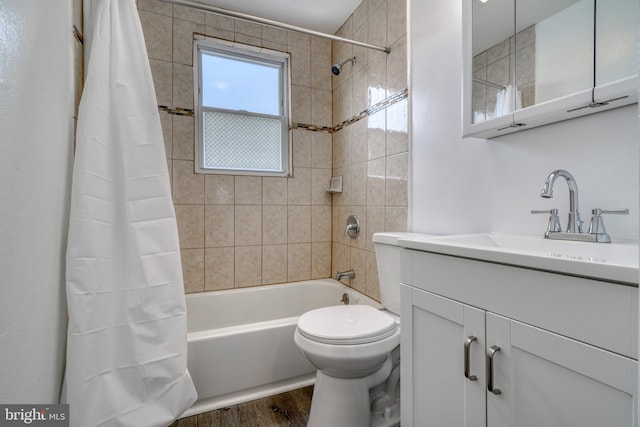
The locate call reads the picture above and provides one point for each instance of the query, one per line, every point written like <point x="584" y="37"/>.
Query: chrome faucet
<point x="597" y="232"/>
<point x="575" y="222"/>
<point x="350" y="274"/>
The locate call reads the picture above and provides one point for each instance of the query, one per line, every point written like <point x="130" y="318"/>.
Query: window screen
<point x="242" y="120"/>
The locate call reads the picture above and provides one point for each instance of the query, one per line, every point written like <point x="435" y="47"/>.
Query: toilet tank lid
<point x="392" y="237"/>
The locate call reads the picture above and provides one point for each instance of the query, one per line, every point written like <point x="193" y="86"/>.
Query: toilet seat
<point x="346" y="325"/>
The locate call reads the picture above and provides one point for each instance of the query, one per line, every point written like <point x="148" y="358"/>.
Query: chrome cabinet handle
<point x="490" y="353"/>
<point x="467" y="349"/>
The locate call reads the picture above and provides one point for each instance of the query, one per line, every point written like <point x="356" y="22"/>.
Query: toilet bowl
<point x="351" y="346"/>
<point x="347" y="341"/>
<point x="356" y="351"/>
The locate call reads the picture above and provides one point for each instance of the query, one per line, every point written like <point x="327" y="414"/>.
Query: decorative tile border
<point x="387" y="102"/>
<point x="312" y="128"/>
<point x="176" y="111"/>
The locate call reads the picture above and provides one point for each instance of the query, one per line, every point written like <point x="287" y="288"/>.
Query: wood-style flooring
<point x="289" y="409"/>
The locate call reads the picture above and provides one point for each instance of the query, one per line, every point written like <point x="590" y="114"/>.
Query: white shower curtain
<point x="126" y="339"/>
<point x="505" y="99"/>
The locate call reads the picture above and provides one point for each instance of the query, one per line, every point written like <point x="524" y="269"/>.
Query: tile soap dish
<point x="335" y="186"/>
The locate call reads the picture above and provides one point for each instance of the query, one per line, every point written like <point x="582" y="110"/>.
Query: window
<point x="242" y="110"/>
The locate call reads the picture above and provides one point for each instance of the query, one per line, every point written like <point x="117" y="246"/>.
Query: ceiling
<point x="326" y="16"/>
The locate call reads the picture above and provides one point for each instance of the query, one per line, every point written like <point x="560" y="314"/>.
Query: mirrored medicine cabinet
<point x="532" y="62"/>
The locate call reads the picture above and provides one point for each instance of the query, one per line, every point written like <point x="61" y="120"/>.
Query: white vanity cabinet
<point x="567" y="346"/>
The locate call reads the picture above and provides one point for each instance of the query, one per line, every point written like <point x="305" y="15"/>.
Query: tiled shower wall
<point x="240" y="231"/>
<point x="371" y="154"/>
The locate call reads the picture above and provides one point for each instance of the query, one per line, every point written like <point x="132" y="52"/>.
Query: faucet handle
<point x="553" y="211"/>
<point x="353" y="227"/>
<point x="597" y="224"/>
<point x="554" y="221"/>
<point x="598" y="211"/>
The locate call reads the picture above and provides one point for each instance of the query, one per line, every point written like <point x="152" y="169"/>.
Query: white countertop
<point x="617" y="262"/>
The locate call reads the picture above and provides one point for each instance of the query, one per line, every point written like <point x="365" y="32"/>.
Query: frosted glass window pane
<point x="233" y="141"/>
<point x="236" y="84"/>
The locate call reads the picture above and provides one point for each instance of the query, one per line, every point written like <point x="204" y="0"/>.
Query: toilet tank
<point x="388" y="260"/>
<point x="388" y="253"/>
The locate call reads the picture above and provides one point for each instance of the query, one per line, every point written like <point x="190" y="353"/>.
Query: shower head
<point x="338" y="67"/>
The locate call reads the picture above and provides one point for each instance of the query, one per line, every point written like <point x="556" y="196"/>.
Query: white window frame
<point x="254" y="54"/>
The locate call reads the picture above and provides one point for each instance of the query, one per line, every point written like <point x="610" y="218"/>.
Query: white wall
<point x="36" y="129"/>
<point x="473" y="185"/>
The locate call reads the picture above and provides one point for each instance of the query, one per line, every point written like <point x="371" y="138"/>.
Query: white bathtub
<point x="240" y="341"/>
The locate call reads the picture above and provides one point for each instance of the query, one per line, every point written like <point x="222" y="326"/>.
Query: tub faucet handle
<point x="353" y="227"/>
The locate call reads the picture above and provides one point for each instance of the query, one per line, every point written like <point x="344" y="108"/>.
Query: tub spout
<point x="350" y="274"/>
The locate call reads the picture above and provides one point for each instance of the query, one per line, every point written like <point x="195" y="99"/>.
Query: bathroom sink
<point x="617" y="262"/>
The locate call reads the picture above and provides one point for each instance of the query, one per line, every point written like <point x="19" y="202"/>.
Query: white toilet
<point x="356" y="351"/>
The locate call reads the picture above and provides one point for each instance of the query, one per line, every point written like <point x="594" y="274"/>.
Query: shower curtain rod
<point x="251" y="18"/>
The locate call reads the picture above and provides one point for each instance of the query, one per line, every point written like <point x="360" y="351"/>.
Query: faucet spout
<point x="349" y="274"/>
<point x="575" y="222"/>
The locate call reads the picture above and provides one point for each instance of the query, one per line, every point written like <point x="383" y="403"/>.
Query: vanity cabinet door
<point x="550" y="380"/>
<point x="434" y="387"/>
